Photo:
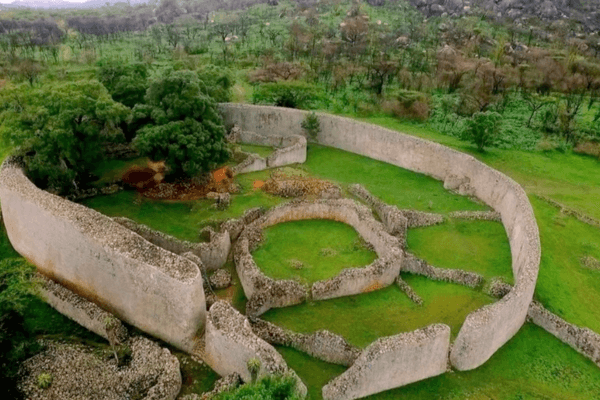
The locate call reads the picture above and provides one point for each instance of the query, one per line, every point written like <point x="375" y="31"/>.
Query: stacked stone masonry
<point x="264" y="293"/>
<point x="323" y="345"/>
<point x="213" y="254"/>
<point x="230" y="344"/>
<point x="153" y="289"/>
<point x="487" y="329"/>
<point x="289" y="150"/>
<point x="392" y="362"/>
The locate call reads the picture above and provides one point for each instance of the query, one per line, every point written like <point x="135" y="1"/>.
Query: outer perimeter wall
<point x="486" y="329"/>
<point x="153" y="289"/>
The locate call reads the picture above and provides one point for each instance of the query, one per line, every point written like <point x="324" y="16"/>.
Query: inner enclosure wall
<point x="486" y="329"/>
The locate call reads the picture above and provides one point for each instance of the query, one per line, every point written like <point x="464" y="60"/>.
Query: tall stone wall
<point x="392" y="362"/>
<point x="486" y="329"/>
<point x="155" y="290"/>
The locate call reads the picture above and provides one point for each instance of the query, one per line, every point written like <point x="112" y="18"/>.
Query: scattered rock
<point x="221" y="279"/>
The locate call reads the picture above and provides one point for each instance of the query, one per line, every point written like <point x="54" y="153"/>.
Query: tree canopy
<point x="183" y="125"/>
<point x="59" y="129"/>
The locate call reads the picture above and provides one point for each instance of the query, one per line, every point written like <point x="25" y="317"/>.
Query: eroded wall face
<point x="484" y="330"/>
<point x="148" y="287"/>
<point x="392" y="362"/>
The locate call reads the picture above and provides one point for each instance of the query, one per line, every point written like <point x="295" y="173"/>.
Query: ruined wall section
<point x="486" y="329"/>
<point x="393" y="361"/>
<point x="155" y="290"/>
<point x="213" y="253"/>
<point x="583" y="340"/>
<point x="230" y="344"/>
<point x="324" y="345"/>
<point x="288" y="150"/>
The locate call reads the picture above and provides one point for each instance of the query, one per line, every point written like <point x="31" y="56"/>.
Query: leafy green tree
<point x="483" y="129"/>
<point x="184" y="127"/>
<point x="16" y="342"/>
<point x="59" y="129"/>
<point x="127" y="83"/>
<point x="270" y="387"/>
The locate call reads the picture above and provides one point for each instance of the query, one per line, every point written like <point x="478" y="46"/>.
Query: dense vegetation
<point x="522" y="98"/>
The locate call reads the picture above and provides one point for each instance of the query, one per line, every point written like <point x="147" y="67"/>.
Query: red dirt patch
<point x="258" y="184"/>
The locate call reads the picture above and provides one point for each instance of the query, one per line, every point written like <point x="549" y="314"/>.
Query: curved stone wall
<point x="290" y="149"/>
<point x="153" y="289"/>
<point x="264" y="292"/>
<point x="488" y="328"/>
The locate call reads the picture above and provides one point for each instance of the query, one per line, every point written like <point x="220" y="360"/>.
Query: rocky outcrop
<point x="78" y="372"/>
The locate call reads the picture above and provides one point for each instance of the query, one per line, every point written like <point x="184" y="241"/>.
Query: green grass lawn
<point x="363" y="318"/>
<point x="323" y="247"/>
<point x="533" y="365"/>
<point x="478" y="246"/>
<point x="392" y="184"/>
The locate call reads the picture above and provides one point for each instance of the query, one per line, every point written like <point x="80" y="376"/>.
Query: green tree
<point x="127" y="83"/>
<point x="483" y="129"/>
<point x="59" y="130"/>
<point x="16" y="342"/>
<point x="184" y="127"/>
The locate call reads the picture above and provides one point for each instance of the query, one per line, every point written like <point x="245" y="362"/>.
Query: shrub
<point x="254" y="368"/>
<point x="271" y="387"/>
<point x="589" y="148"/>
<point x="44" y="380"/>
<point x="311" y="125"/>
<point x="408" y="104"/>
<point x="483" y="129"/>
<point x="291" y="94"/>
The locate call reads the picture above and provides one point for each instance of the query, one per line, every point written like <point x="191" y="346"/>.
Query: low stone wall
<point x="236" y="226"/>
<point x="230" y="344"/>
<point x="289" y="150"/>
<point x="153" y="289"/>
<point x="477" y="215"/>
<point x="584" y="340"/>
<point x="324" y="345"/>
<point x="392" y="362"/>
<point x="213" y="254"/>
<point x="412" y="264"/>
<point x="488" y="328"/>
<point x="379" y="274"/>
<point x="82" y="311"/>
<point x="263" y="293"/>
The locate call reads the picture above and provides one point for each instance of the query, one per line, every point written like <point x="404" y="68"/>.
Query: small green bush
<point x="44" y="380"/>
<point x="483" y="129"/>
<point x="254" y="368"/>
<point x="311" y="125"/>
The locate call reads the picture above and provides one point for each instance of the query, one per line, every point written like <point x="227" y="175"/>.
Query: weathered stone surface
<point x="392" y="362"/>
<point x="140" y="283"/>
<point x="213" y="254"/>
<point x="79" y="373"/>
<point x="484" y="330"/>
<point x="584" y="340"/>
<point x="412" y="264"/>
<point x="220" y="279"/>
<point x="82" y="311"/>
<point x="477" y="215"/>
<point x="323" y="345"/>
<point x="289" y="150"/>
<point x="230" y="344"/>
